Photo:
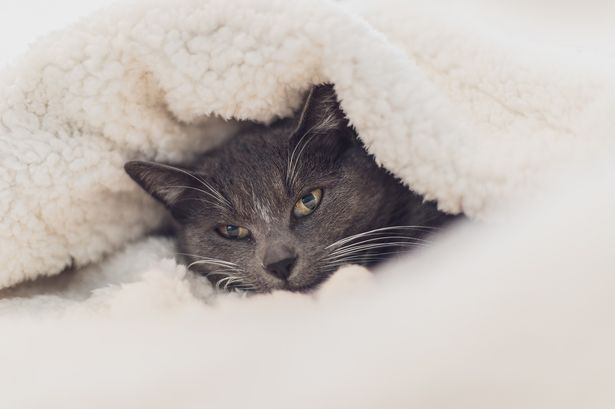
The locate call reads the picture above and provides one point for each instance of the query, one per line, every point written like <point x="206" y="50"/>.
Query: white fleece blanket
<point x="511" y="124"/>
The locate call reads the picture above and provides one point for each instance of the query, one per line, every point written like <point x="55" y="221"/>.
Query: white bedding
<point x="509" y="123"/>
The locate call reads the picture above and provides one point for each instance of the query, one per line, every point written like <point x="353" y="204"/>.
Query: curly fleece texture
<point x="463" y="109"/>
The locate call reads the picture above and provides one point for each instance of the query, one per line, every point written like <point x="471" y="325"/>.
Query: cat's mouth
<point x="296" y="285"/>
<point x="304" y="283"/>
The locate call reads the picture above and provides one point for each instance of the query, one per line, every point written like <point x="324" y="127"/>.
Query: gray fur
<point x="255" y="179"/>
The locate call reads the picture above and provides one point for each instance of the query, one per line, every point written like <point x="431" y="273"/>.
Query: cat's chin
<point x="303" y="287"/>
<point x="270" y="287"/>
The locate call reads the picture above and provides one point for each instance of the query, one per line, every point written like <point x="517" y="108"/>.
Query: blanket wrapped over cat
<point x="486" y="117"/>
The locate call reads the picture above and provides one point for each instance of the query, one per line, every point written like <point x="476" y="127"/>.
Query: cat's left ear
<point x="165" y="183"/>
<point x="322" y="120"/>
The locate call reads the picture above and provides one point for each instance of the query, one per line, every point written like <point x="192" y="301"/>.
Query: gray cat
<point x="283" y="206"/>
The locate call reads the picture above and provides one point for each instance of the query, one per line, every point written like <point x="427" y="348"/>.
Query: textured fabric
<point x="464" y="106"/>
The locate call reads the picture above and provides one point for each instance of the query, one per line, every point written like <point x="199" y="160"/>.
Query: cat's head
<point x="272" y="207"/>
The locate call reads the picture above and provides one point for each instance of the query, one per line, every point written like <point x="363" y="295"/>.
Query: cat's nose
<point x="279" y="261"/>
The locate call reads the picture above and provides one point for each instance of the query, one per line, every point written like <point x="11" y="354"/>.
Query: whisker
<point x="229" y="281"/>
<point x="206" y="258"/>
<point x="292" y="162"/>
<point x="209" y="262"/>
<point x="202" y="181"/>
<point x="213" y="260"/>
<point x="365" y="254"/>
<point x="224" y="273"/>
<point x="383" y="245"/>
<point x="197" y="199"/>
<point x="409" y="239"/>
<point x="360" y="254"/>
<point x="218" y="203"/>
<point x="297" y="159"/>
<point x="226" y="269"/>
<point x="359" y="259"/>
<point x="423" y="229"/>
<point x="301" y="118"/>
<point x="233" y="281"/>
<point x="226" y="280"/>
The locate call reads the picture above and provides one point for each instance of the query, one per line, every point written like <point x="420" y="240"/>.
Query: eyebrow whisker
<point x="208" y="186"/>
<point x="292" y="162"/>
<point x="218" y="204"/>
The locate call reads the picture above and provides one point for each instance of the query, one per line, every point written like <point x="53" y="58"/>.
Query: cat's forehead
<point x="251" y="172"/>
<point x="257" y="195"/>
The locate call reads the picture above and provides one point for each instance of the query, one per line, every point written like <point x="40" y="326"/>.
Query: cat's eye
<point x="308" y="203"/>
<point x="233" y="232"/>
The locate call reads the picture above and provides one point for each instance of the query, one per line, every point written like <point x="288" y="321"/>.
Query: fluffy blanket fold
<point x="467" y="111"/>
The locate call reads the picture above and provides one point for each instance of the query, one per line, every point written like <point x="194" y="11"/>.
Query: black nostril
<point x="282" y="268"/>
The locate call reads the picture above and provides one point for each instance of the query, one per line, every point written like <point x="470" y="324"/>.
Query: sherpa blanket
<point x="472" y="105"/>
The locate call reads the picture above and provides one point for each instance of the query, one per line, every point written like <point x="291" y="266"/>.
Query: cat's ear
<point x="321" y="110"/>
<point x="164" y="182"/>
<point x="322" y="116"/>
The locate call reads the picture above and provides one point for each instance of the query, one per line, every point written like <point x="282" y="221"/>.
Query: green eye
<point x="308" y="203"/>
<point x="233" y="232"/>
